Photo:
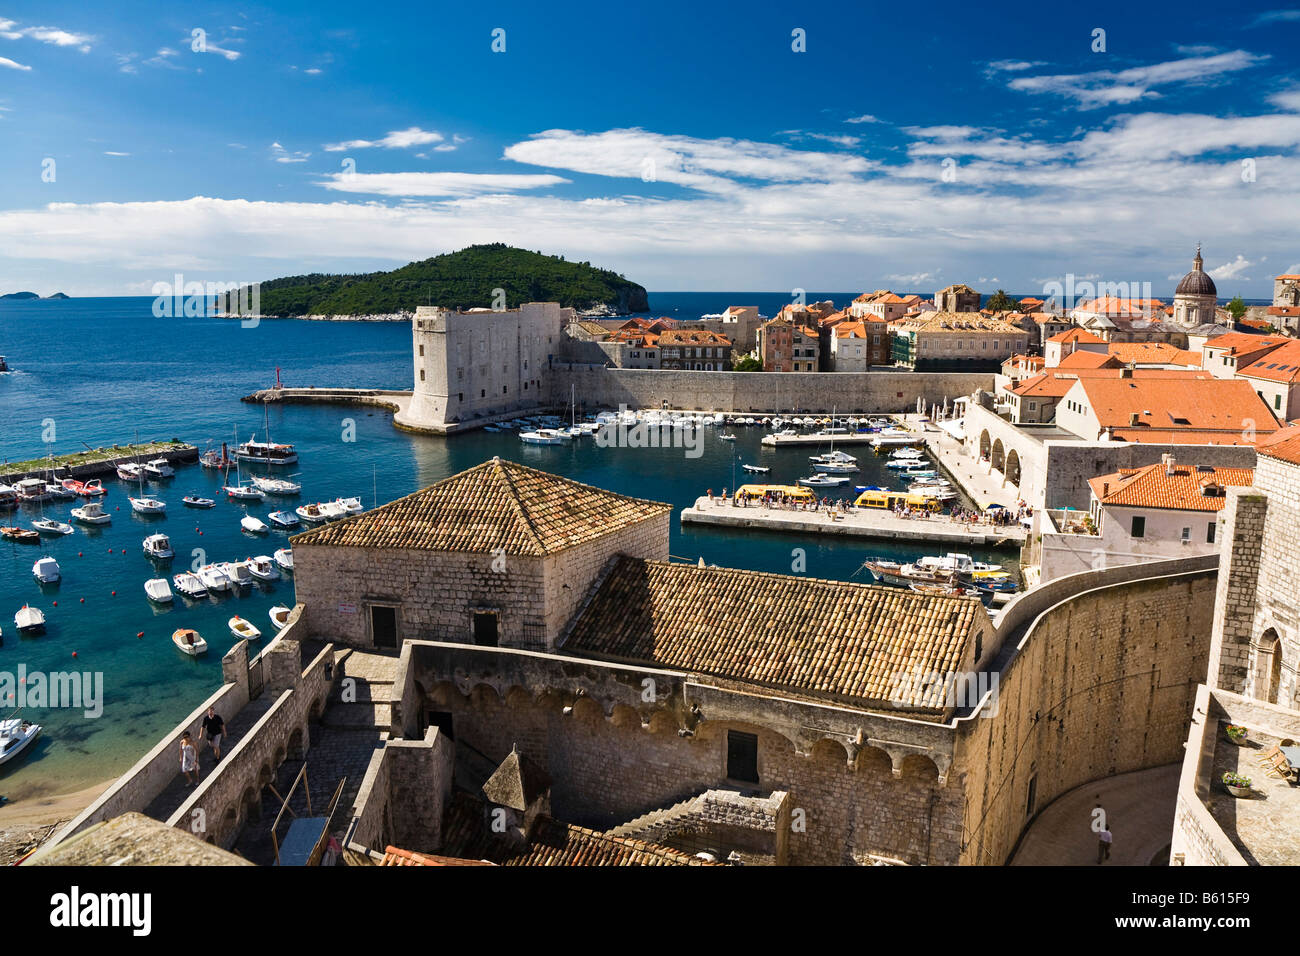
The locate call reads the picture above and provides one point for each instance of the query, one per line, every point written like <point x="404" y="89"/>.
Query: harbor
<point x="858" y="522"/>
<point x="98" y="462"/>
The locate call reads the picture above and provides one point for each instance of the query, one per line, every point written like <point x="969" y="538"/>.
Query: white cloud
<point x="1109" y="88"/>
<point x="1231" y="270"/>
<point x="437" y="184"/>
<point x="1276" y="16"/>
<point x="231" y="55"/>
<point x="1011" y="66"/>
<point x="915" y="279"/>
<point x="864" y="118"/>
<point x="312" y="71"/>
<point x="59" y="37"/>
<point x="397" y="139"/>
<point x="11" y="64"/>
<point x="109" y="152"/>
<point x="282" y="155"/>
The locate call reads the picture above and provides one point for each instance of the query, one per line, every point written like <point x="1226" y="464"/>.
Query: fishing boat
<point x="279" y="615"/>
<point x="216" y="459"/>
<point x="157" y="546"/>
<point x="276" y="486"/>
<point x="238" y="574"/>
<point x="756" y="469"/>
<point x="263" y="568"/>
<point x="50" y="526"/>
<point x="129" y="471"/>
<point x="31" y="490"/>
<point x="253" y="525"/>
<point x="16" y="735"/>
<point x="30" y="620"/>
<point x="956" y="562"/>
<point x="8" y="498"/>
<point x="20" y="535"/>
<point x="148" y="506"/>
<point x="283" y="519"/>
<point x="284" y="558"/>
<point x="46" y="570"/>
<point x="351" y="506"/>
<point x="243" y="629"/>
<point x="191" y="585"/>
<point x="189" y="641"/>
<point x="824" y="481"/>
<point x="157" y="590"/>
<point x="195" y="501"/>
<point x="158" y="468"/>
<point x="213" y="577"/>
<point x="312" y="513"/>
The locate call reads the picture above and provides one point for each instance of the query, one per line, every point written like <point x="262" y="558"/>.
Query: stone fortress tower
<point x="480" y="363"/>
<point x="1196" y="296"/>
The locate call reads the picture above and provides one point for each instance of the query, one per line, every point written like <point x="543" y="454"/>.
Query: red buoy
<point x="74" y="653"/>
<point x="139" y="633"/>
<point x="114" y="594"/>
<point x="83" y="600"/>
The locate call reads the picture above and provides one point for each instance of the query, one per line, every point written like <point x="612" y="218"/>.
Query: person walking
<point x="189" y="760"/>
<point x="213" y="728"/>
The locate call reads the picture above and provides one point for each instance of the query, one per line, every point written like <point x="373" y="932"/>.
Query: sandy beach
<point x="26" y="823"/>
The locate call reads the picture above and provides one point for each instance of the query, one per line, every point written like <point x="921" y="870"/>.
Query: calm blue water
<point x="101" y="371"/>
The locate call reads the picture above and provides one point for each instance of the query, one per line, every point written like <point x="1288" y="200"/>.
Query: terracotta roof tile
<point x="1281" y="364"/>
<point x="826" y="638"/>
<point x="1154" y="487"/>
<point x="1077" y="335"/>
<point x="1152" y="353"/>
<point x="498" y="504"/>
<point x="1082" y="358"/>
<point x="1228" y="408"/>
<point x="1283" y="444"/>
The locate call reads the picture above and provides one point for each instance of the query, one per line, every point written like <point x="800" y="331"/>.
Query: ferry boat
<point x="758" y="492"/>
<point x="268" y="453"/>
<point x="16" y="735"/>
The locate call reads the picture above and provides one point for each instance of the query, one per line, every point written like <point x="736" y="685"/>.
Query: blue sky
<point x="686" y="145"/>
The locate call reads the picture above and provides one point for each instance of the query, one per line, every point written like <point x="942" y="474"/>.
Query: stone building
<point x="698" y="349"/>
<point x="957" y="298"/>
<point x="481" y="363"/>
<point x="786" y="346"/>
<point x="944" y="341"/>
<point x="1196" y="298"/>
<point x="499" y="555"/>
<point x="739" y="323"/>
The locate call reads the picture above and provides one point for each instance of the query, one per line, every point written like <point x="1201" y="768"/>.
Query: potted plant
<point x="1236" y="733"/>
<point x="1238" y="785"/>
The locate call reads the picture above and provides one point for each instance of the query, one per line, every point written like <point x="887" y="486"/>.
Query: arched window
<point x="1268" y="667"/>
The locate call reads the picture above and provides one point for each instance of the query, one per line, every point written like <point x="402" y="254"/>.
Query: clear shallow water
<point x="104" y="370"/>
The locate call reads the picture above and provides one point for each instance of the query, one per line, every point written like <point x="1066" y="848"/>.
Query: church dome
<point x="1197" y="282"/>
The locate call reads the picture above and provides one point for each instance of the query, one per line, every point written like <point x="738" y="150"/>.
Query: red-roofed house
<point x="1276" y="379"/>
<point x="1223" y="355"/>
<point x="1071" y="340"/>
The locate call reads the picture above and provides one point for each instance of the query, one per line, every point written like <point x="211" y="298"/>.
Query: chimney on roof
<point x="1168" y="461"/>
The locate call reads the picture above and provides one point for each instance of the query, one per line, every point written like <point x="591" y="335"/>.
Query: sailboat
<point x="267" y="451"/>
<point x="240" y="491"/>
<point x="144" y="505"/>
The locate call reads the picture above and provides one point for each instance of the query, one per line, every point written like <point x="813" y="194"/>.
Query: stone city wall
<point x="413" y="775"/>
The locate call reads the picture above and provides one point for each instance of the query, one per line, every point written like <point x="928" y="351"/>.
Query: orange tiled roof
<point x="1228" y="408"/>
<point x="1112" y="305"/>
<point x="1162" y="353"/>
<point x="396" y="856"/>
<point x="824" y="638"/>
<point x="1281" y="364"/>
<point x="1237" y="343"/>
<point x="692" y="337"/>
<point x="495" y="505"/>
<point x="1029" y="302"/>
<point x="1077" y="335"/>
<point x="1082" y="358"/>
<point x="1183" y="490"/>
<point x="1283" y="444"/>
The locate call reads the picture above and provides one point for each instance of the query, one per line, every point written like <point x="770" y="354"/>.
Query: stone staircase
<point x="657" y="820"/>
<point x="369" y="706"/>
<point x="706" y="816"/>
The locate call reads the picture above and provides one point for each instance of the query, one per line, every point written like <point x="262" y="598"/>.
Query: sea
<point x="95" y="372"/>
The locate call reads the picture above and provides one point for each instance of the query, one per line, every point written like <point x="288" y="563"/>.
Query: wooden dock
<point x="860" y="522"/>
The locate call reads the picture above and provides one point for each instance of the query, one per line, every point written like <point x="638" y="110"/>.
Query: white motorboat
<point x="46" y="570"/>
<point x="824" y="481"/>
<point x="157" y="590"/>
<point x="284" y="558"/>
<point x="283" y="519"/>
<point x="159" y="468"/>
<point x="31" y="490"/>
<point x="16" y="735"/>
<point x="543" y="436"/>
<point x="214" y="577"/>
<point x="92" y="512"/>
<point x="834" y="467"/>
<point x="243" y="629"/>
<point x="941" y="492"/>
<point x="148" y="506"/>
<point x="130" y="471"/>
<point x="244" y="492"/>
<point x="908" y="452"/>
<point x="50" y="526"/>
<point x="725" y="436"/>
<point x="238" y="573"/>
<point x="263" y="568"/>
<point x="756" y="469"/>
<point x="834" y="458"/>
<point x="312" y="513"/>
<point x="158" y="547"/>
<point x="280" y="615"/>
<point x="191" y="585"/>
<point x="351" y="506"/>
<point x="908" y="464"/>
<point x="957" y="562"/>
<point x="189" y="641"/>
<point x="276" y="486"/>
<point x="333" y="510"/>
<point x="196" y="501"/>
<point x="253" y="525"/>
<point x="58" y="492"/>
<point x="29" y="620"/>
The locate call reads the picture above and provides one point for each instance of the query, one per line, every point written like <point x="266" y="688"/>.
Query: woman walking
<point x="189" y="760"/>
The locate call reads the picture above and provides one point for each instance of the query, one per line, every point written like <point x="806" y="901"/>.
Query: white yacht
<point x="159" y="468"/>
<point x="50" y="526"/>
<point x="158" y="546"/>
<point x="148" y="506"/>
<point x="16" y="735"/>
<point x="92" y="512"/>
<point x="544" y="436"/>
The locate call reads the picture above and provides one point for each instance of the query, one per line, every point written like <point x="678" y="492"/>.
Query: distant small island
<point x="464" y="279"/>
<point x="32" y="295"/>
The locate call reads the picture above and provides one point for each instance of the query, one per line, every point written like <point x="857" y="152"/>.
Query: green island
<point x="457" y="280"/>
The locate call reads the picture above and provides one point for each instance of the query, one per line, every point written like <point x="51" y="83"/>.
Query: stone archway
<point x="1268" y="667"/>
<point x="997" y="456"/>
<point x="1013" y="467"/>
<point x="986" y="444"/>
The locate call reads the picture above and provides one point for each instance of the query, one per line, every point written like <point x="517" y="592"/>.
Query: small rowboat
<point x="30" y="620"/>
<point x="157" y="590"/>
<point x="194" y="501"/>
<point x="243" y="629"/>
<point x="21" y="535"/>
<point x="253" y="525"/>
<point x="280" y="615"/>
<point x="189" y="641"/>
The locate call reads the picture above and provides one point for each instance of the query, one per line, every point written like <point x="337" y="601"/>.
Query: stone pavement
<point x="1140" y="812"/>
<point x="179" y="790"/>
